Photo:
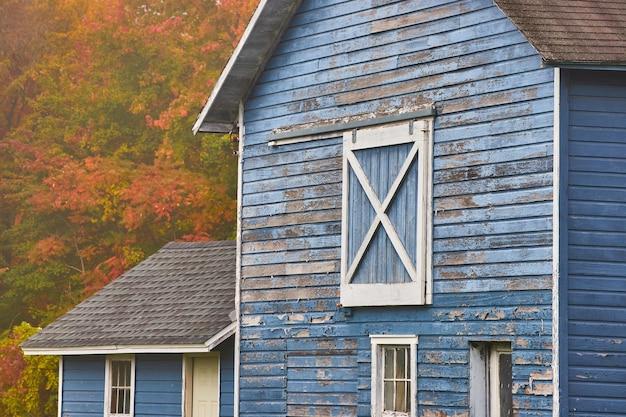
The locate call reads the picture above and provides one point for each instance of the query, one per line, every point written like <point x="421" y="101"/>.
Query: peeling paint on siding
<point x="302" y="355"/>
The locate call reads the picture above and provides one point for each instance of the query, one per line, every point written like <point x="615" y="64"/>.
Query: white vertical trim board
<point x="60" y="387"/>
<point x="556" y="244"/>
<point x="478" y="394"/>
<point x="237" y="353"/>
<point x="377" y="342"/>
<point x="419" y="290"/>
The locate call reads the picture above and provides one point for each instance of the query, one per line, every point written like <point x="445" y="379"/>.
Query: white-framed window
<point x="201" y="385"/>
<point x="394" y="376"/>
<point x="387" y="210"/>
<point x="119" y="394"/>
<point x="491" y="379"/>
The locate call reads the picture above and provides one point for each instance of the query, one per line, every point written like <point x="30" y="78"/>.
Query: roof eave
<point x="588" y="65"/>
<point x="207" y="346"/>
<point x="258" y="41"/>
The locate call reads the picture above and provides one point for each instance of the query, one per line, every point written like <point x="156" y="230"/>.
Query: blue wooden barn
<point x="432" y="208"/>
<point x="158" y="341"/>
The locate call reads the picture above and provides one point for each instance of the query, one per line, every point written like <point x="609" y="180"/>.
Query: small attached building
<point x="158" y="341"/>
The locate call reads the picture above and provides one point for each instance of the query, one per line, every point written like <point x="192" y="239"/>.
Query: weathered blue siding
<point x="158" y="385"/>
<point x="596" y="225"/>
<point x="83" y="386"/>
<point x="301" y="355"/>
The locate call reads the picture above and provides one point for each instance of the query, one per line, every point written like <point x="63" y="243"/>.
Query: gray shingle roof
<point x="183" y="294"/>
<point x="572" y="31"/>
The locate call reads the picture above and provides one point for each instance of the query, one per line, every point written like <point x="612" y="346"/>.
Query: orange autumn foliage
<point x="98" y="165"/>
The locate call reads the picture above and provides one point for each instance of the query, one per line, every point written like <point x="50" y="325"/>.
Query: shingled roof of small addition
<point x="572" y="31"/>
<point x="184" y="294"/>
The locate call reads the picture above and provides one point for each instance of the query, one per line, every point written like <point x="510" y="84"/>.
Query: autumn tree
<point x="98" y="166"/>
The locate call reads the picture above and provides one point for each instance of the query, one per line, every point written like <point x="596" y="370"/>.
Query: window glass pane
<point x="388" y="394"/>
<point x="113" y="407"/>
<point x="400" y="362"/>
<point x="408" y="363"/>
<point x="400" y="396"/>
<point x="114" y="374"/>
<point x="120" y="401"/>
<point x="506" y="384"/>
<point x="127" y="401"/>
<point x="127" y="374"/>
<point x="408" y="396"/>
<point x="389" y="362"/>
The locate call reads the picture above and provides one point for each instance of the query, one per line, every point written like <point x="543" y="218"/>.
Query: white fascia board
<point x="116" y="350"/>
<point x="229" y="66"/>
<point x="222" y="335"/>
<point x="129" y="349"/>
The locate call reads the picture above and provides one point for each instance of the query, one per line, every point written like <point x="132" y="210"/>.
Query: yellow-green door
<point x="205" y="390"/>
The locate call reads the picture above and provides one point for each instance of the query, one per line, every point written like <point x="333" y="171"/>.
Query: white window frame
<point x="377" y="388"/>
<point x="107" y="385"/>
<point x="419" y="290"/>
<point x="187" y="406"/>
<point x="485" y="377"/>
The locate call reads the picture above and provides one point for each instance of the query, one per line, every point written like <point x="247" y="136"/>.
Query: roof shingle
<point x="183" y="294"/>
<point x="572" y="31"/>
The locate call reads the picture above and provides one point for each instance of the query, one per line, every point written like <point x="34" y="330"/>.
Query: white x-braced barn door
<point x="386" y="215"/>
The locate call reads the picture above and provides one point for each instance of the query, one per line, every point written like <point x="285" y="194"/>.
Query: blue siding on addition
<point x="83" y="386"/>
<point x="227" y="376"/>
<point x="596" y="238"/>
<point x="158" y="385"/>
<point x="302" y="355"/>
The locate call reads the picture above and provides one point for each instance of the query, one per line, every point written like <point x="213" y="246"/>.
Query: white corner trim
<point x="60" y="384"/>
<point x="376" y="390"/>
<point x="556" y="244"/>
<point x="237" y="356"/>
<point x="229" y="66"/>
